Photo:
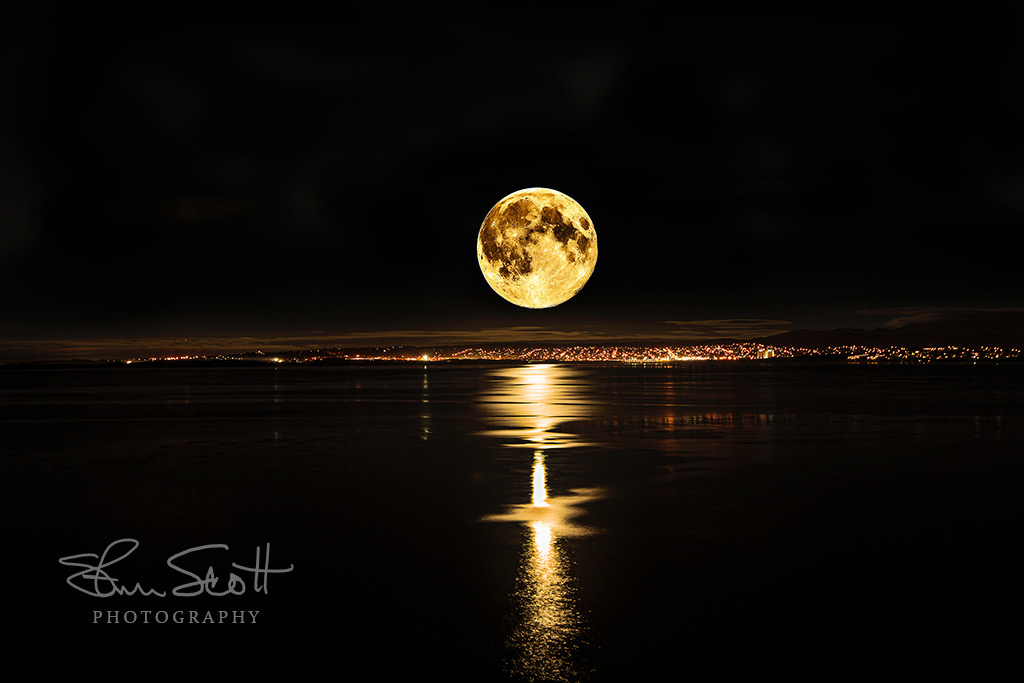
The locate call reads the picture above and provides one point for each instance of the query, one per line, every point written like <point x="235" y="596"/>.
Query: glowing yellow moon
<point x="537" y="247"/>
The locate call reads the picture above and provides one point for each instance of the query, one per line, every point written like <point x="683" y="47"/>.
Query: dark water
<point x="535" y="522"/>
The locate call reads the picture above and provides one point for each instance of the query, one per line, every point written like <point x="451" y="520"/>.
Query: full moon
<point x="537" y="247"/>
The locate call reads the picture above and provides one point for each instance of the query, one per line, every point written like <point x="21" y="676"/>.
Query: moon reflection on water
<point x="526" y="406"/>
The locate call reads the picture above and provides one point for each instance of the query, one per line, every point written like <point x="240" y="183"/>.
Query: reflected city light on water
<point x="527" y="404"/>
<point x="425" y="417"/>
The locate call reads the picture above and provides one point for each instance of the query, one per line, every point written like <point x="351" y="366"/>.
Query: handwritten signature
<point x="94" y="580"/>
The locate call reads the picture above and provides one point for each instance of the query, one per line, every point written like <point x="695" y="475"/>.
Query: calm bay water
<point x="523" y="522"/>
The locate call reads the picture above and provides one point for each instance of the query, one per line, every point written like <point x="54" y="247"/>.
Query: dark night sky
<point x="196" y="178"/>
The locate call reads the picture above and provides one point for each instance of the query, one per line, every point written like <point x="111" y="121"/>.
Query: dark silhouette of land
<point x="971" y="330"/>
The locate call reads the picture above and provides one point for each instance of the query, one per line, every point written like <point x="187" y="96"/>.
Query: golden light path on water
<point x="526" y="404"/>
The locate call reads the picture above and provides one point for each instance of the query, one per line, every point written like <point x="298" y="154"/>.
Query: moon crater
<point x="537" y="247"/>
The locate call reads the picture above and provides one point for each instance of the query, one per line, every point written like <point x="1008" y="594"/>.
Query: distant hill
<point x="1003" y="329"/>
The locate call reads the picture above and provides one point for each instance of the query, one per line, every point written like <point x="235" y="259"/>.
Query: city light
<point x="624" y="354"/>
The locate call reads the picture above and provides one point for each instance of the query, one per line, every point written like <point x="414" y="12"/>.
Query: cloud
<point x="112" y="348"/>
<point x="911" y="315"/>
<point x="735" y="328"/>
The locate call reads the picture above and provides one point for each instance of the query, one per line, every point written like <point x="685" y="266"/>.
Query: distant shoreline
<point x="791" y="358"/>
